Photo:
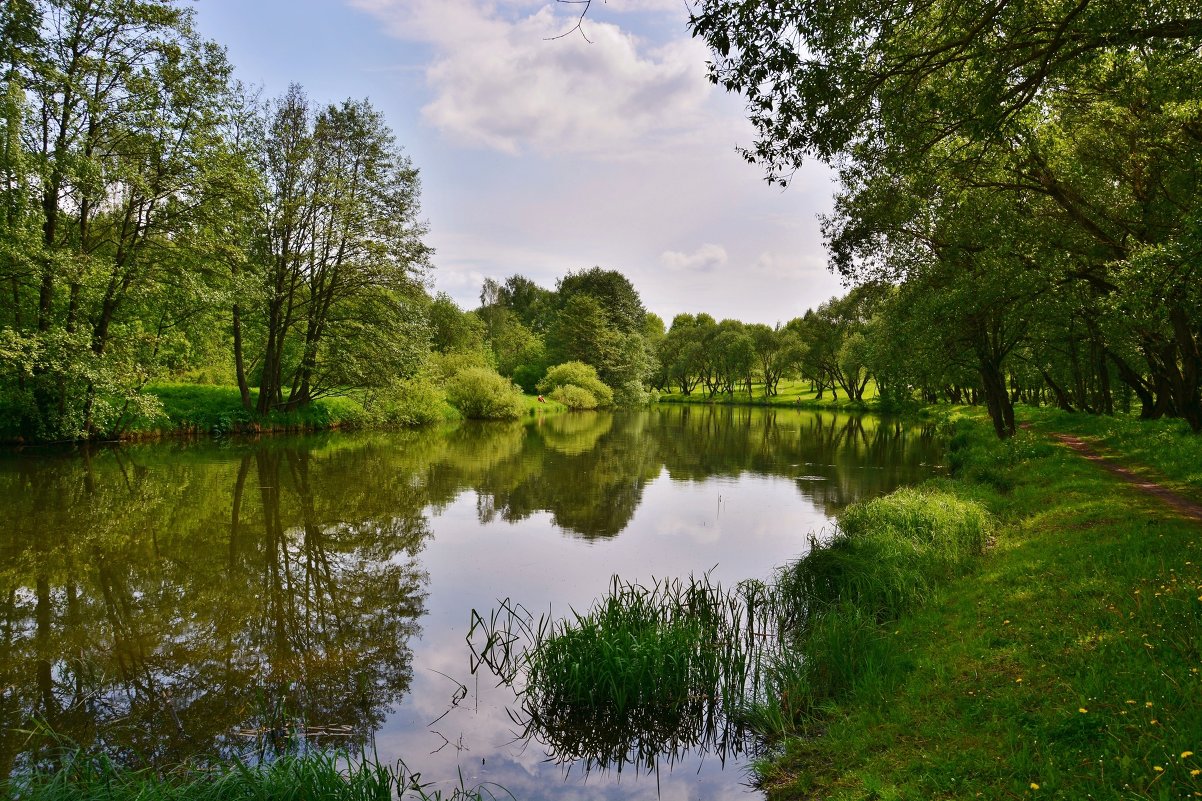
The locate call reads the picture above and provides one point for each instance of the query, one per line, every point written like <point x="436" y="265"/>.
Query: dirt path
<point x="1183" y="505"/>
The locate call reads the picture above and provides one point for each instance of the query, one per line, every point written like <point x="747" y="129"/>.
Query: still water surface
<point x="192" y="600"/>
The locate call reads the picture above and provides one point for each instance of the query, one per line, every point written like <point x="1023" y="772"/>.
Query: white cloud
<point x="501" y="80"/>
<point x="704" y="258"/>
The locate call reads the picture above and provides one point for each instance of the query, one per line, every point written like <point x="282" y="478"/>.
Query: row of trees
<point x="826" y="346"/>
<point x="1026" y="175"/>
<point x="155" y="218"/>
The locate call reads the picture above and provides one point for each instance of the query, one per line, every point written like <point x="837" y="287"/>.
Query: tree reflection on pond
<point x="194" y="600"/>
<point x="164" y="609"/>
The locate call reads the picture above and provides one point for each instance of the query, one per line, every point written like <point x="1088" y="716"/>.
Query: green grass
<point x="1164" y="450"/>
<point x="532" y="407"/>
<point x="217" y="410"/>
<point x="643" y="676"/>
<point x="888" y="557"/>
<point x="310" y="777"/>
<point x="793" y="394"/>
<point x="1065" y="665"/>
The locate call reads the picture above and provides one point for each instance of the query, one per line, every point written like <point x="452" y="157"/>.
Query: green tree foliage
<point x="154" y="221"/>
<point x="992" y="162"/>
<point x="452" y="329"/>
<point x="622" y="306"/>
<point x="111" y="111"/>
<point x="340" y="252"/>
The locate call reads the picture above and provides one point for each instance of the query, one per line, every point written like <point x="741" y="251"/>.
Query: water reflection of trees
<point x="162" y="607"/>
<point x="836" y="459"/>
<point x="166" y="600"/>
<point x="589" y="470"/>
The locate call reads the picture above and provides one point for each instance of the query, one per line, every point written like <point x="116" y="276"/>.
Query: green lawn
<point x="789" y="393"/>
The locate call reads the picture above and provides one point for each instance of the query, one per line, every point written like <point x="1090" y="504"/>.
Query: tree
<point x="817" y="77"/>
<point x="453" y="329"/>
<point x="620" y="302"/>
<point x="340" y="251"/>
<point x="778" y="350"/>
<point x="112" y="111"/>
<point x="1085" y="127"/>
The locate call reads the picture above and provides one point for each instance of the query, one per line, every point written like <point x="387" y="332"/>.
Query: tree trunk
<point x="239" y="363"/>
<point x="1062" y="400"/>
<point x="997" y="400"/>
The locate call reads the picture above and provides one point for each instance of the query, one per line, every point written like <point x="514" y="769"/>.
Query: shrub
<point x="527" y="376"/>
<point x="631" y="393"/>
<point x="574" y="397"/>
<point x="482" y="394"/>
<point x="415" y="401"/>
<point x="578" y="374"/>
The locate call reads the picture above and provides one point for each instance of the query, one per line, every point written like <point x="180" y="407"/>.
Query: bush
<point x="482" y="394"/>
<point x="416" y="401"/>
<point x="631" y="393"/>
<point x="527" y="376"/>
<point x="574" y="397"/>
<point x="577" y="374"/>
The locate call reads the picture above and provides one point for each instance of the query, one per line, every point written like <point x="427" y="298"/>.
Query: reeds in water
<point x="313" y="776"/>
<point x="651" y="671"/>
<point x="643" y="676"/>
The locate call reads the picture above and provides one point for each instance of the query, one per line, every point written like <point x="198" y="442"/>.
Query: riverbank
<point x="211" y="410"/>
<point x="1066" y="665"/>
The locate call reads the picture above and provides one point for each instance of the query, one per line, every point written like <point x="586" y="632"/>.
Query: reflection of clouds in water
<point x="415" y="530"/>
<point x="746" y="526"/>
<point x="760" y="525"/>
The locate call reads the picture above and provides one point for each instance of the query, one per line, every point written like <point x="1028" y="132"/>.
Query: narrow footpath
<point x="1182" y="505"/>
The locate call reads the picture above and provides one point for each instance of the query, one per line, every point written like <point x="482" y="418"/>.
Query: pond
<point x="193" y="600"/>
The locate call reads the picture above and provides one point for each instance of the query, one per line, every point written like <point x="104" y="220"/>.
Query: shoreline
<point x="1065" y="663"/>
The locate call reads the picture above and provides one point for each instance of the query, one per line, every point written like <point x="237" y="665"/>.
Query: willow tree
<point x="1086" y="111"/>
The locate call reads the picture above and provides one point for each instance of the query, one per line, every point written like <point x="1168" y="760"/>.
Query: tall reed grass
<point x="312" y="776"/>
<point x="637" y="680"/>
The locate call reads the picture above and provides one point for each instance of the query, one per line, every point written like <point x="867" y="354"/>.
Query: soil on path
<point x="1182" y="505"/>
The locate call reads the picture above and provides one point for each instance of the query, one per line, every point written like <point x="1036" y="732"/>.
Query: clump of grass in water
<point x="642" y="677"/>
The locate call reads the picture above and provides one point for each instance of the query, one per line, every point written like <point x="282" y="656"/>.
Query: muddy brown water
<point x="195" y="600"/>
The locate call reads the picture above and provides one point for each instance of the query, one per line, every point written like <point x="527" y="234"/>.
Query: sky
<point x="540" y="155"/>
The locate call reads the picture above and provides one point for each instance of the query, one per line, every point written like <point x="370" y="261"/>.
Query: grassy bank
<point x="210" y="410"/>
<point x="790" y="394"/>
<point x="1064" y="664"/>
